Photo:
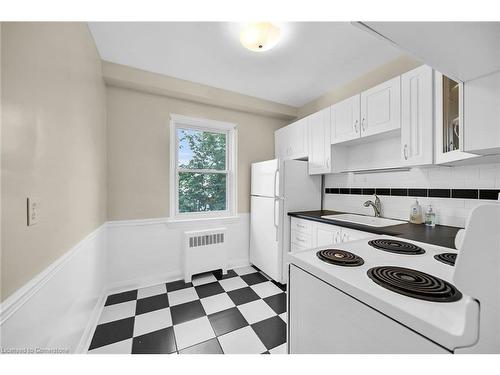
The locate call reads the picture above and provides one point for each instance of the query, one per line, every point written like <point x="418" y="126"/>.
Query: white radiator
<point x="204" y="250"/>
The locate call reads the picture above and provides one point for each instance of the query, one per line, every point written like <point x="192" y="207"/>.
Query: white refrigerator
<point x="276" y="189"/>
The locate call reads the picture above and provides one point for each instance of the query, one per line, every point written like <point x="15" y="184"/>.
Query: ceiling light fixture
<point x="260" y="36"/>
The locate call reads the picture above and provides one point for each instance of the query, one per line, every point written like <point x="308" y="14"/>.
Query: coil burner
<point x="340" y="257"/>
<point x="415" y="284"/>
<point x="395" y="246"/>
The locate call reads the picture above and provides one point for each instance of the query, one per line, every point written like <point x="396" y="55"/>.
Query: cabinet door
<point x="345" y="116"/>
<point x="325" y="234"/>
<point x="298" y="140"/>
<point x="417" y="131"/>
<point x="282" y="143"/>
<point x="290" y="142"/>
<point x="319" y="142"/>
<point x="381" y="108"/>
<point x="449" y="120"/>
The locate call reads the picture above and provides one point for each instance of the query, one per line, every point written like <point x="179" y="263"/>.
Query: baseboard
<point x="15" y="301"/>
<point x="91" y="325"/>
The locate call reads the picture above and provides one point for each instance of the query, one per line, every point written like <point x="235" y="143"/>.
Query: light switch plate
<point x="33" y="210"/>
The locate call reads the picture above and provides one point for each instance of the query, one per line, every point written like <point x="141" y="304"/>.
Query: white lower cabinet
<point x="307" y="234"/>
<point x="324" y="320"/>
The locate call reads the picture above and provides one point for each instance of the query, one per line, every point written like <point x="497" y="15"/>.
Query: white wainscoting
<point x="54" y="309"/>
<point x="59" y="308"/>
<point x="148" y="252"/>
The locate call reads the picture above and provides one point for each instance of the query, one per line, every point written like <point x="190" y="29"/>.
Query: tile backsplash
<point x="452" y="191"/>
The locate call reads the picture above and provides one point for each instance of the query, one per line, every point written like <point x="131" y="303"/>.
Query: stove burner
<point x="340" y="258"/>
<point x="415" y="284"/>
<point x="447" y="258"/>
<point x="395" y="246"/>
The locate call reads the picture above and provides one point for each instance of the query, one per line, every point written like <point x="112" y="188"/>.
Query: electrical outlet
<point x="33" y="211"/>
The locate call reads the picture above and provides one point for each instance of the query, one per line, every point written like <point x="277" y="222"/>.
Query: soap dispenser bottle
<point x="416" y="216"/>
<point x="430" y="217"/>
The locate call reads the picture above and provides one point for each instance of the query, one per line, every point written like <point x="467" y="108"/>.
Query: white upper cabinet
<point x="482" y="115"/>
<point x="345" y="120"/>
<point x="380" y="108"/>
<point x="291" y="141"/>
<point x="417" y="118"/>
<point x="449" y="120"/>
<point x="319" y="142"/>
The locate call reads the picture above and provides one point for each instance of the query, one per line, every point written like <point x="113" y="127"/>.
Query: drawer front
<point x="301" y="239"/>
<point x="300" y="225"/>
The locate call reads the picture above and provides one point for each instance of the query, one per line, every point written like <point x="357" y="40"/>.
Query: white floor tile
<point x="242" y="341"/>
<point x="283" y="316"/>
<point x="152" y="321"/>
<point x="117" y="311"/>
<point x="217" y="303"/>
<point x="232" y="283"/>
<point x="279" y="349"/>
<point x="266" y="289"/>
<point x="256" y="311"/>
<point x="182" y="296"/>
<point x="120" y="347"/>
<point x="245" y="270"/>
<point x="203" y="279"/>
<point x="151" y="291"/>
<point x="193" y="332"/>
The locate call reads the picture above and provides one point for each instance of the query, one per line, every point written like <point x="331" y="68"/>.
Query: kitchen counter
<point x="440" y="235"/>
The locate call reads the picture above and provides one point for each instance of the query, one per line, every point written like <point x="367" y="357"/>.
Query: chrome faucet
<point x="377" y="206"/>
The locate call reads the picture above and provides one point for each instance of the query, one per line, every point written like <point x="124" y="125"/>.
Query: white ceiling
<point x="311" y="59"/>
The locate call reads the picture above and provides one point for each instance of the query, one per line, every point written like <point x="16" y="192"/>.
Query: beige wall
<point x="138" y="149"/>
<point x="370" y="79"/>
<point x="53" y="144"/>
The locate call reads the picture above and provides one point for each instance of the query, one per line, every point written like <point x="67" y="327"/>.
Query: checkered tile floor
<point x="241" y="312"/>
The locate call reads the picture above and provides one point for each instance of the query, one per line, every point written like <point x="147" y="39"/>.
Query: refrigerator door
<point x="264" y="250"/>
<point x="265" y="178"/>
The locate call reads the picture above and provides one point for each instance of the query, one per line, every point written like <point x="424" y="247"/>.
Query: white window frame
<point x="230" y="129"/>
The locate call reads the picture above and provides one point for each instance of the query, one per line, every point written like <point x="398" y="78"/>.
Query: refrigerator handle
<point x="276" y="181"/>
<point x="276" y="219"/>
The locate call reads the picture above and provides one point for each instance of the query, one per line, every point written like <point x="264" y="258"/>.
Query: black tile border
<point x="483" y="194"/>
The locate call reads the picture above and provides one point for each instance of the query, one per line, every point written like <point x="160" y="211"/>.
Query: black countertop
<point x="440" y="235"/>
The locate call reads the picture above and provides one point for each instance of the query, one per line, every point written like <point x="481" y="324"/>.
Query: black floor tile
<point x="210" y="289"/>
<point x="178" y="285"/>
<point x="279" y="285"/>
<point x="227" y="320"/>
<point x="208" y="347"/>
<point x="254" y="278"/>
<point x="152" y="303"/>
<point x="272" y="331"/>
<point x="121" y="297"/>
<point x="219" y="276"/>
<point x="109" y="333"/>
<point x="243" y="295"/>
<point x="187" y="311"/>
<point x="277" y="302"/>
<point x="157" y="342"/>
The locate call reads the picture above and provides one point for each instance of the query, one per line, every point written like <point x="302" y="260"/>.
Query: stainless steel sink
<point x="364" y="220"/>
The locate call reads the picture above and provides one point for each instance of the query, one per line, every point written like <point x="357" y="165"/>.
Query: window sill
<point x="204" y="220"/>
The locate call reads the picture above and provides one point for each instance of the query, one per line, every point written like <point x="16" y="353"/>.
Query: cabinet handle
<point x="328" y="162"/>
<point x="363" y="124"/>
<point x="356" y="126"/>
<point x="336" y="239"/>
<point x="301" y="226"/>
<point x="405" y="151"/>
<point x="344" y="237"/>
<point x="301" y="240"/>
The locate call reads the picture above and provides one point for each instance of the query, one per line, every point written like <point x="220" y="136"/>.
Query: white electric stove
<point x="388" y="294"/>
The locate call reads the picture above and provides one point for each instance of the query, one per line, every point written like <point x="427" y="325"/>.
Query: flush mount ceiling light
<point x="260" y="36"/>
